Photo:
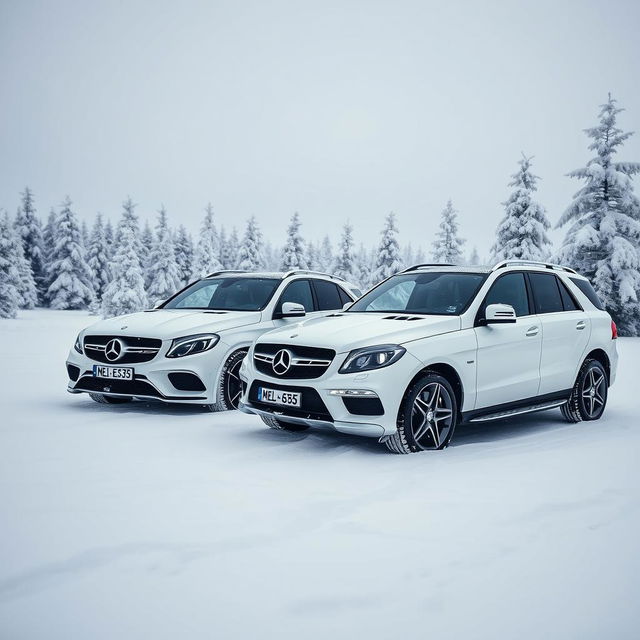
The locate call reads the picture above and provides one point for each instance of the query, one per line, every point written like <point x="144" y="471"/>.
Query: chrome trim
<point x="298" y="362"/>
<point x="310" y="422"/>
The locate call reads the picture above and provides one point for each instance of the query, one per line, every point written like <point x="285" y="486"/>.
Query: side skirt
<point x="510" y="409"/>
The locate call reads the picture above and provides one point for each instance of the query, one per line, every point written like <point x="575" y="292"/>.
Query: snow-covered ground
<point x="166" y="522"/>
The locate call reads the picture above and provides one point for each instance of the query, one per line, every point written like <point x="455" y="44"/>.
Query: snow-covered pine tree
<point x="126" y="293"/>
<point x="98" y="259"/>
<point x="345" y="264"/>
<point x="146" y="241"/>
<point x="474" y="257"/>
<point x="603" y="240"/>
<point x="250" y="256"/>
<point x="9" y="296"/>
<point x="29" y="227"/>
<point x="363" y="267"/>
<point x="388" y="259"/>
<point x="71" y="279"/>
<point x="164" y="273"/>
<point x="271" y="256"/>
<point x="183" y="245"/>
<point x="109" y="238"/>
<point x="313" y="254"/>
<point x="522" y="232"/>
<point x="326" y="258"/>
<point x="48" y="241"/>
<point x="293" y="254"/>
<point x="447" y="248"/>
<point x="25" y="282"/>
<point x="231" y="250"/>
<point x="84" y="234"/>
<point x="205" y="259"/>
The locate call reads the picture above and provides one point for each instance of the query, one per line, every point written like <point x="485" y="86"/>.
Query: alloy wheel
<point x="432" y="416"/>
<point x="233" y="385"/>
<point x="594" y="392"/>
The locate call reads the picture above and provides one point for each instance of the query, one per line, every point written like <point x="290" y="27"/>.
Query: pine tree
<point x="313" y="256"/>
<point x="98" y="259"/>
<point x="229" y="249"/>
<point x="326" y="259"/>
<point x="345" y="264"/>
<point x="29" y="227"/>
<point x="293" y="255"/>
<point x="603" y="240"/>
<point x="164" y="273"/>
<point x="9" y="296"/>
<point x="146" y="242"/>
<point x="71" y="279"/>
<point x="364" y="268"/>
<point x="109" y="239"/>
<point x="474" y="258"/>
<point x="84" y="234"/>
<point x="250" y="257"/>
<point x="205" y="259"/>
<point x="126" y="293"/>
<point x="447" y="248"/>
<point x="25" y="282"/>
<point x="48" y="241"/>
<point x="388" y="259"/>
<point x="522" y="233"/>
<point x="183" y="245"/>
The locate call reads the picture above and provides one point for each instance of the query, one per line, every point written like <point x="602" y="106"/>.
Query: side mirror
<point x="292" y="310"/>
<point x="499" y="314"/>
<point x="158" y="303"/>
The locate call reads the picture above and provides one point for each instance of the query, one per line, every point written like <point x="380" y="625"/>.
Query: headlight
<point x="78" y="345"/>
<point x="189" y="345"/>
<point x="372" y="358"/>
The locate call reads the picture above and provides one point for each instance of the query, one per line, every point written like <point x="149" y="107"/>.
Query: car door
<point x="508" y="356"/>
<point x="566" y="329"/>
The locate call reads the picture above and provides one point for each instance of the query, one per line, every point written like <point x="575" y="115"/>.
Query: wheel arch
<point x="602" y="357"/>
<point x="450" y="374"/>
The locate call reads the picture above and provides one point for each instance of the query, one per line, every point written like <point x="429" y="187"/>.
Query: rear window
<point x="546" y="293"/>
<point x="589" y="291"/>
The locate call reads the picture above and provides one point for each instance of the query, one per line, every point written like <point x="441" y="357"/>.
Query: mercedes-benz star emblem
<point x="282" y="362"/>
<point x="113" y="350"/>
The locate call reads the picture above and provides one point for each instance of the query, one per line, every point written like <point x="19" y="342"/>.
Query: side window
<point x="546" y="292"/>
<point x="510" y="289"/>
<point x="344" y="296"/>
<point x="298" y="291"/>
<point x="588" y="290"/>
<point x="568" y="302"/>
<point x="328" y="295"/>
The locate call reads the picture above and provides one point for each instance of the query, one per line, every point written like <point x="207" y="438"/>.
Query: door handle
<point x="532" y="331"/>
<point x="581" y="325"/>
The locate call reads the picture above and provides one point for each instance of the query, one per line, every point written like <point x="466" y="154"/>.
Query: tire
<point x="589" y="395"/>
<point x="427" y="417"/>
<point x="100" y="398"/>
<point x="274" y="423"/>
<point x="229" y="388"/>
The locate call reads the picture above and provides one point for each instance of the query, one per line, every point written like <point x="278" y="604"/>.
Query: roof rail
<point x="532" y="263"/>
<point x="428" y="264"/>
<point x="297" y="272"/>
<point x="219" y="273"/>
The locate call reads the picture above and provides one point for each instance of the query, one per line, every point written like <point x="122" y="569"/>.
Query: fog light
<point x="353" y="393"/>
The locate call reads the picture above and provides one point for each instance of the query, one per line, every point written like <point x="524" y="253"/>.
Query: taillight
<point x="614" y="330"/>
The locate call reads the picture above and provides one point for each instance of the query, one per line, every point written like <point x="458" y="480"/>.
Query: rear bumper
<point x="355" y="428"/>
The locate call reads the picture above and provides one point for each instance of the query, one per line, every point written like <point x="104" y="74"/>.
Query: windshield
<point x="226" y="294"/>
<point x="431" y="293"/>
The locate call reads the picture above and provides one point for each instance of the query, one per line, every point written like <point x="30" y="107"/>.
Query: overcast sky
<point x="340" y="110"/>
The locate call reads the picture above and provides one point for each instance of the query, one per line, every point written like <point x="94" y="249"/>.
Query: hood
<point x="347" y="331"/>
<point x="173" y="323"/>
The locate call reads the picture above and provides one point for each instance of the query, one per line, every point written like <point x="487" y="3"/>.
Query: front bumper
<point x="388" y="384"/>
<point x="152" y="379"/>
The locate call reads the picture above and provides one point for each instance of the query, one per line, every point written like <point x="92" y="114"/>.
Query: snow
<point x="161" y="521"/>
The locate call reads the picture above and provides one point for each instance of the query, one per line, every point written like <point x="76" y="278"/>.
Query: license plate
<point x="113" y="373"/>
<point x="275" y="396"/>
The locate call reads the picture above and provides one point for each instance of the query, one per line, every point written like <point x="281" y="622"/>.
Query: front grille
<point x="311" y="407"/>
<point x="132" y="349"/>
<point x="306" y="362"/>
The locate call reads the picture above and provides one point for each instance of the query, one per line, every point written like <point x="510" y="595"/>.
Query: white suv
<point x="437" y="345"/>
<point x="189" y="348"/>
